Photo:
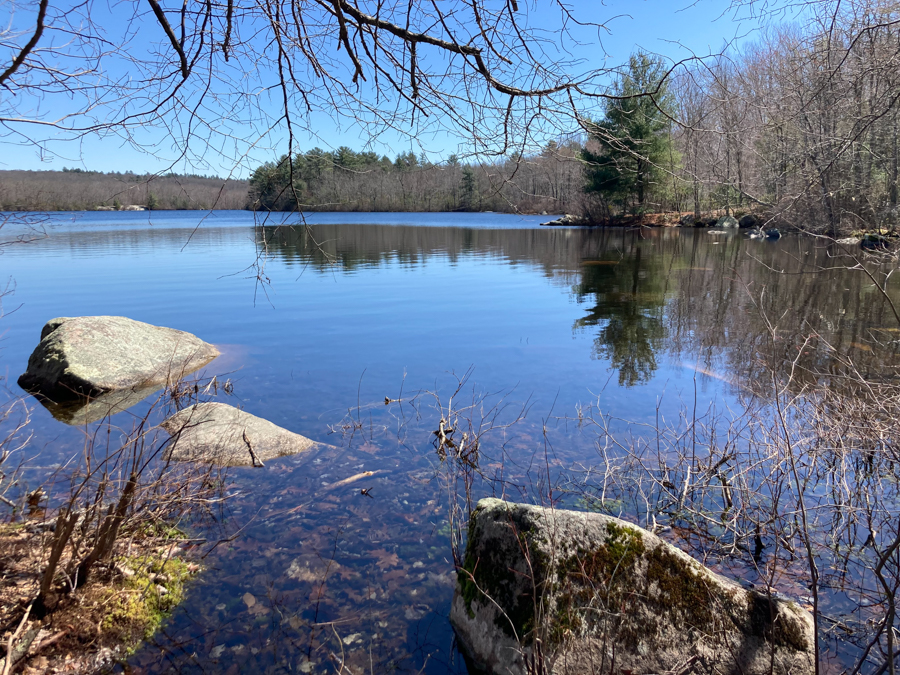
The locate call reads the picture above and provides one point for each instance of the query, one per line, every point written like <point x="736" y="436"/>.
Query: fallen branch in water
<point x="353" y="479"/>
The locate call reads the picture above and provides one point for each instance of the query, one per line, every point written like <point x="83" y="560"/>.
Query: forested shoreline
<point x="800" y="126"/>
<point x="78" y="190"/>
<point x="346" y="180"/>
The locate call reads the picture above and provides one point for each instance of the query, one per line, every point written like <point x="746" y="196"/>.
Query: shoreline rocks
<point x="221" y="434"/>
<point x="575" y="592"/>
<point x="568" y="220"/>
<point x="92" y="355"/>
<point x="749" y="220"/>
<point x="728" y="223"/>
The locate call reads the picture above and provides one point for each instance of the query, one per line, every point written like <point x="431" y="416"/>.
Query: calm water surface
<point x="318" y="325"/>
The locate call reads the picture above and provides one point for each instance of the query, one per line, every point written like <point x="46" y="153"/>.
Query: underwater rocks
<point x="569" y="592"/>
<point x="227" y="436"/>
<point x="86" y="410"/>
<point x="93" y="355"/>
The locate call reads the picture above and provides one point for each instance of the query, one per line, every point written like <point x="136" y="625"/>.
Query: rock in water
<point x="224" y="435"/>
<point x="587" y="593"/>
<point x="568" y="220"/>
<point x="92" y="355"/>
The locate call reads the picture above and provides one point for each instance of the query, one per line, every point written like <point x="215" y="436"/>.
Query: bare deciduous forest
<point x="87" y="190"/>
<point x="802" y="123"/>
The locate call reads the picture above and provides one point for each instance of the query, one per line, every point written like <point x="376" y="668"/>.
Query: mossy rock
<point x="576" y="587"/>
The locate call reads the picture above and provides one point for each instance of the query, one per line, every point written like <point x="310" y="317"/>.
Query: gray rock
<point x="224" y="435"/>
<point x="93" y="355"/>
<point x="577" y="590"/>
<point x="728" y="222"/>
<point x="748" y="221"/>
<point x="568" y="220"/>
<point x="134" y="207"/>
<point x="849" y="241"/>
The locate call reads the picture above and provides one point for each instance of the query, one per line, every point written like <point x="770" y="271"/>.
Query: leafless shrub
<point x="119" y="488"/>
<point x="14" y="436"/>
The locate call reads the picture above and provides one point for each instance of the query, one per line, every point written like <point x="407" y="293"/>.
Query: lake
<point x="320" y="325"/>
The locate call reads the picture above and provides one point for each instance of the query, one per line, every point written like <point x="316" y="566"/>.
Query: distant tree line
<point x="347" y="180"/>
<point x="81" y="190"/>
<point x="130" y="175"/>
<point x="801" y="126"/>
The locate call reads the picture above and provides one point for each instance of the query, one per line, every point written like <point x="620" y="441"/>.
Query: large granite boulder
<point x="728" y="222"/>
<point x="221" y="434"/>
<point x="93" y="355"/>
<point x="572" y="593"/>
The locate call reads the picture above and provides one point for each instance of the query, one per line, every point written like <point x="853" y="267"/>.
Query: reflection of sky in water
<point x="560" y="316"/>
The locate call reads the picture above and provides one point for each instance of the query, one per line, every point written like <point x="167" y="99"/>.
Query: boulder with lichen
<point x="564" y="592"/>
<point x="89" y="356"/>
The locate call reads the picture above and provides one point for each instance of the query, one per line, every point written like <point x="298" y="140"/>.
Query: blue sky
<point x="673" y="28"/>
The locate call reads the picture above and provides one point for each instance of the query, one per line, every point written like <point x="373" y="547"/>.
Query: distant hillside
<point x="77" y="190"/>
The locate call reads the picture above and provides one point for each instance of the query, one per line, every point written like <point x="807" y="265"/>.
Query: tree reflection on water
<point x="629" y="293"/>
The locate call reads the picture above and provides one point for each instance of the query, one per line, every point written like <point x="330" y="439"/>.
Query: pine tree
<point x="632" y="138"/>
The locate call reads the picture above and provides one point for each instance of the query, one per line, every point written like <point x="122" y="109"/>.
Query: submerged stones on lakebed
<point x="88" y="357"/>
<point x="597" y="594"/>
<point x="227" y="436"/>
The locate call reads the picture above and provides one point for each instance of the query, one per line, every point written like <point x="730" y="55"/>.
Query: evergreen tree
<point x="467" y="187"/>
<point x="632" y="139"/>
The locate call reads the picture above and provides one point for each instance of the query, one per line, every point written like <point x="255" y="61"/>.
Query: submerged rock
<point x="85" y="410"/>
<point x="584" y="592"/>
<point x="227" y="436"/>
<point x="756" y="233"/>
<point x="92" y="355"/>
